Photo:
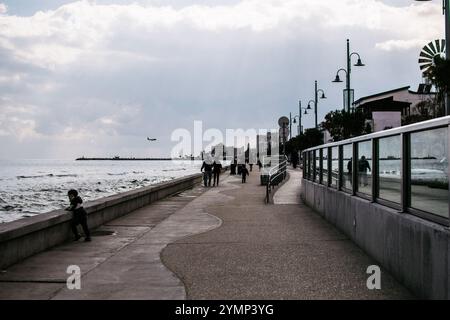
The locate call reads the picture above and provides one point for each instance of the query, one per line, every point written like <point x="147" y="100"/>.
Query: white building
<point x="388" y="109"/>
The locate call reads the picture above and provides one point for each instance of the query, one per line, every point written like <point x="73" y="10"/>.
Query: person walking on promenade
<point x="207" y="174"/>
<point x="79" y="215"/>
<point x="259" y="164"/>
<point x="217" y="168"/>
<point x="294" y="159"/>
<point x="349" y="169"/>
<point x="244" y="173"/>
<point x="251" y="167"/>
<point x="363" y="166"/>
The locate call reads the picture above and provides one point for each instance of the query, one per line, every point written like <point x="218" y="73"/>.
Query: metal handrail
<point x="274" y="173"/>
<point x="419" y="126"/>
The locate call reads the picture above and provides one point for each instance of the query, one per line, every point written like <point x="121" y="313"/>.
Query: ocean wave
<point x="169" y="170"/>
<point x="47" y="175"/>
<point x="117" y="174"/>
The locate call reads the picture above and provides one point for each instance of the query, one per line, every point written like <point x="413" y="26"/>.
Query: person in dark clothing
<point x="251" y="167"/>
<point x="233" y="167"/>
<point x="294" y="159"/>
<point x="207" y="174"/>
<point x="363" y="166"/>
<point x="349" y="169"/>
<point x="259" y="165"/>
<point x="244" y="173"/>
<point x="79" y="215"/>
<point x="217" y="168"/>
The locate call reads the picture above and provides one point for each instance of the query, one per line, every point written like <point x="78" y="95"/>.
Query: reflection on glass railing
<point x="365" y="167"/>
<point x="389" y="168"/>
<point x="429" y="171"/>
<point x="347" y="167"/>
<point x="334" y="167"/>
<point x="325" y="166"/>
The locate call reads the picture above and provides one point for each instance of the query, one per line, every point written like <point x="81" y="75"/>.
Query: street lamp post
<point x="348" y="98"/>
<point x="300" y="108"/>
<point x="446" y="9"/>
<point x="315" y="101"/>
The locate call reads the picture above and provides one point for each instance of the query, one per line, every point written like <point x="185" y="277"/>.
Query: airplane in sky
<point x="151" y="139"/>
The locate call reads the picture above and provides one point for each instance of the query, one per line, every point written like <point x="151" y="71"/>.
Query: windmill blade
<point x="425" y="66"/>
<point x="428" y="50"/>
<point x="438" y="45"/>
<point x="433" y="49"/>
<point x="423" y="54"/>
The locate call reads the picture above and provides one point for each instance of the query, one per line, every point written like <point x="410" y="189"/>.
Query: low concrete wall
<point x="415" y="251"/>
<point x="25" y="237"/>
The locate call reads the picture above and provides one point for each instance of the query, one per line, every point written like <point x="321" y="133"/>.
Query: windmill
<point x="429" y="52"/>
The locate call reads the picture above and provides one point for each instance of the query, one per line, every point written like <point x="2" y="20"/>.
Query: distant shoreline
<point x="131" y="159"/>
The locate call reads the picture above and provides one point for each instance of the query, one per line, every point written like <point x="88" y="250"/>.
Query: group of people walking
<point x="363" y="167"/>
<point x="212" y="170"/>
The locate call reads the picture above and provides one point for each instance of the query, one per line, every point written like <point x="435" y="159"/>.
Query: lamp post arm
<point x="359" y="57"/>
<point x="342" y="69"/>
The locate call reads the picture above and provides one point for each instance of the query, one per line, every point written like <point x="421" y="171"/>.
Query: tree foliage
<point x="439" y="74"/>
<point x="310" y="138"/>
<point x="343" y="125"/>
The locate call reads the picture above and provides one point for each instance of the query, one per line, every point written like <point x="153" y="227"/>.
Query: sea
<point x="35" y="186"/>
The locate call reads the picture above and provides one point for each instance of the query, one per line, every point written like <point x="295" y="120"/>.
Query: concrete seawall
<point x="414" y="250"/>
<point x="25" y="237"/>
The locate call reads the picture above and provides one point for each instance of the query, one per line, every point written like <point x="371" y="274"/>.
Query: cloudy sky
<point x="95" y="78"/>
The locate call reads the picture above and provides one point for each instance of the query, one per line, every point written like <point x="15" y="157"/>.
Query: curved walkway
<point x="289" y="192"/>
<point x="123" y="265"/>
<point x="281" y="251"/>
<point x="219" y="243"/>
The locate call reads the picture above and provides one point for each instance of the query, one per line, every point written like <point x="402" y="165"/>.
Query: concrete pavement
<point x="280" y="251"/>
<point x="225" y="243"/>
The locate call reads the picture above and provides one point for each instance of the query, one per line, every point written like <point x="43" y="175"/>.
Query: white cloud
<point x="59" y="37"/>
<point x="400" y="45"/>
<point x="88" y="72"/>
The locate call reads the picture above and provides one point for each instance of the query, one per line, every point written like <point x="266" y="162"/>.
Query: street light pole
<point x="348" y="99"/>
<point x="348" y="75"/>
<point x="447" y="48"/>
<point x="299" y="117"/>
<point x="300" y="114"/>
<point x="315" y="103"/>
<point x="446" y="9"/>
<point x="290" y="125"/>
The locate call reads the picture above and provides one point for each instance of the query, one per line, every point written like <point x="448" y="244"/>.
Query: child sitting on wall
<point x="79" y="215"/>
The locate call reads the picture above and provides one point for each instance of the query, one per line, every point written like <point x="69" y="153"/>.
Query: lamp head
<point x="337" y="79"/>
<point x="306" y="112"/>
<point x="308" y="108"/>
<point x="323" y="96"/>
<point x="359" y="63"/>
<point x="295" y="121"/>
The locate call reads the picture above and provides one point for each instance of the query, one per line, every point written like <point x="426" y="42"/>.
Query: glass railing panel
<point x="429" y="171"/>
<point x="365" y="167"/>
<point x="347" y="167"/>
<point x="389" y="168"/>
<point x="325" y="166"/>
<point x="334" y="166"/>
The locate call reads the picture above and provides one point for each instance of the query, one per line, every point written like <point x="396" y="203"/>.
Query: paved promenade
<point x="222" y="243"/>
